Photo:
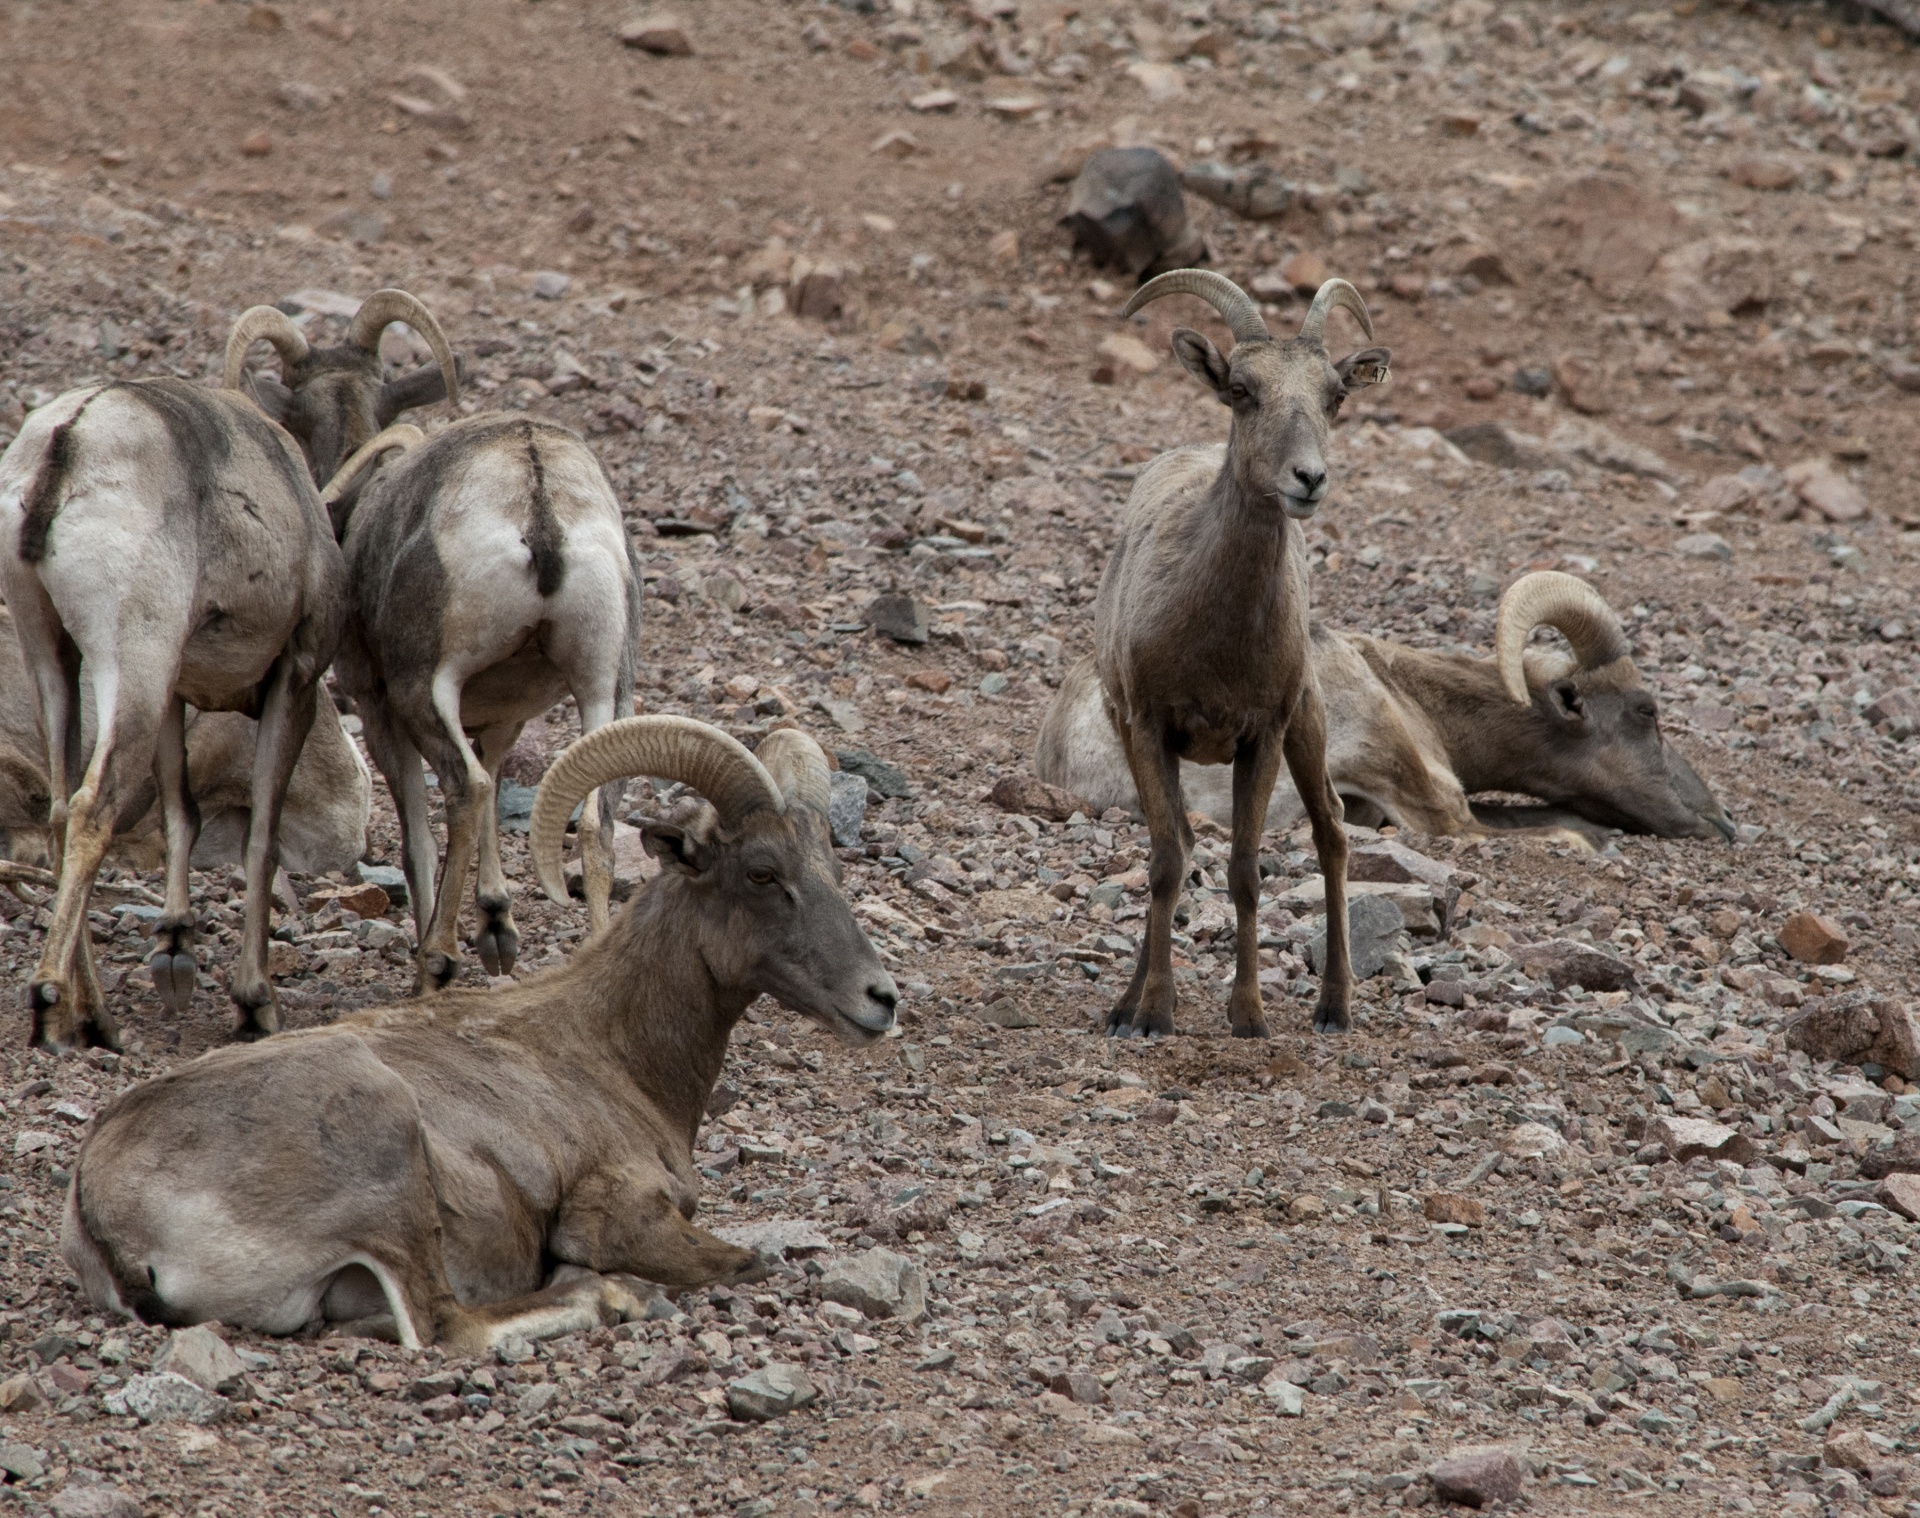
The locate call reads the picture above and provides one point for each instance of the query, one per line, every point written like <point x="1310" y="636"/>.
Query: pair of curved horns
<point x="1548" y="598"/>
<point x="1237" y="307"/>
<point x="377" y="312"/>
<point x="789" y="771"/>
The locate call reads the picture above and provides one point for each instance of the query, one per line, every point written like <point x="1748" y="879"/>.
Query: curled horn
<point x="1234" y="304"/>
<point x="1551" y="599"/>
<point x="401" y="435"/>
<point x="673" y="748"/>
<point x="384" y="307"/>
<point x="1335" y="292"/>
<point x="798" y="768"/>
<point x="257" y="323"/>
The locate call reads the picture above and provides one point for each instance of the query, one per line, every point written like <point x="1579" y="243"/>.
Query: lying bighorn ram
<point x="323" y="820"/>
<point x="437" y="1161"/>
<point x="489" y="575"/>
<point x="1200" y="629"/>
<point x="164" y="544"/>
<point x="1412" y="735"/>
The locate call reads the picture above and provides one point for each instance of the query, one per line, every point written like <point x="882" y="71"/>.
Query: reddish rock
<point x="1477" y="1477"/>
<point x="1764" y="174"/>
<point x="366" y="900"/>
<point x="1442" y="1207"/>
<point x="1692" y="1138"/>
<point x="1900" y="1193"/>
<point x="1033" y="797"/>
<point x="1859" y="1028"/>
<point x="1814" y="940"/>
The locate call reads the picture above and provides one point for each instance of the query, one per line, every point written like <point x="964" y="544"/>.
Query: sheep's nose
<point x="1310" y="479"/>
<point x="882" y="998"/>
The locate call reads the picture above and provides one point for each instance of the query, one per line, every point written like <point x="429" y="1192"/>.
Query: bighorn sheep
<point x="1412" y="735"/>
<point x="1200" y="629"/>
<point x="323" y="819"/>
<point x="164" y="544"/>
<point x="436" y="1161"/>
<point x="489" y="575"/>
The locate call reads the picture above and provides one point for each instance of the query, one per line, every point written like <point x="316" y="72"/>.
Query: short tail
<point x="544" y="540"/>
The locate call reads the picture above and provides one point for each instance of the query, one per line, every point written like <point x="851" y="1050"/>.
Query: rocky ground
<point x="1614" y="1173"/>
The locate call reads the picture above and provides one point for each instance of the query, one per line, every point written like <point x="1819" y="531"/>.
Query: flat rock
<point x="1008" y="1013"/>
<point x="1692" y="1138"/>
<point x="879" y="1283"/>
<point x="1477" y="1477"/>
<point x="1502" y="447"/>
<point x="1375" y="925"/>
<point x="164" y="1397"/>
<point x="1564" y="963"/>
<point x="778" y="1238"/>
<point x="658" y="32"/>
<point x="1390" y="862"/>
<point x="1421" y="913"/>
<point x="203" y="1357"/>
<point x="1813" y="939"/>
<point x="768" y="1393"/>
<point x="99" y="1501"/>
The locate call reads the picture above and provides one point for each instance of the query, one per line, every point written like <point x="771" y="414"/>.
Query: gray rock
<point x="1126" y="212"/>
<point x="766" y="1394"/>
<point x="900" y="618"/>
<point x="203" y="1357"/>
<point x="1255" y="191"/>
<point x="390" y="878"/>
<point x="22" y="1462"/>
<point x="879" y="1283"/>
<point x="101" y="1501"/>
<point x="882" y="779"/>
<point x="847" y="808"/>
<point x="165" y="1397"/>
<point x="1376" y="929"/>
<point x="550" y="284"/>
<point x="1704" y="545"/>
<point x="778" y="1237"/>
<point x="514" y="804"/>
<point x="1007" y="1013"/>
<point x="1477" y="1477"/>
<point x="1566" y="963"/>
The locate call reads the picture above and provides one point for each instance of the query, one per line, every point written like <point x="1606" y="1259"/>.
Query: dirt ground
<point x="1670" y="250"/>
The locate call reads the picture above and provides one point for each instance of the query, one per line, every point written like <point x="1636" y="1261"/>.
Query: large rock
<point x="1901" y="1157"/>
<point x="1900" y="1193"/>
<point x="1126" y="212"/>
<point x="1391" y="861"/>
<point x="203" y="1357"/>
<point x="97" y="1501"/>
<point x="1612" y="230"/>
<point x="1692" y="1138"/>
<point x="1859" y="1028"/>
<point x="768" y="1393"/>
<point x="1503" y="447"/>
<point x="1563" y="963"/>
<point x="1716" y="275"/>
<point x="900" y="618"/>
<point x="1375" y="925"/>
<point x="165" y="1397"/>
<point x="778" y="1238"/>
<point x="1813" y="939"/>
<point x="879" y="1283"/>
<point x="846" y="808"/>
<point x="1477" y="1477"/>
<point x="882" y="779"/>
<point x="1827" y="490"/>
<point x="1031" y="796"/>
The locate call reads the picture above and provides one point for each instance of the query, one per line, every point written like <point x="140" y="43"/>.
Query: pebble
<point x="550" y="284"/>
<point x="1704" y="545"/>
<point x="658" y="32"/>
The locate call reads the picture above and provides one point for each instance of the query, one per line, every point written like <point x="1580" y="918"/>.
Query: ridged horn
<point x="798" y="767"/>
<point x="1335" y="292"/>
<point x="1551" y="599"/>
<point x="385" y="307"/>
<point x="1242" y="316"/>
<point x="258" y="323"/>
<point x="672" y="748"/>
<point x="401" y="435"/>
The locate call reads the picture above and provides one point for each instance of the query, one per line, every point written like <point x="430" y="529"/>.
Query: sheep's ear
<point x="1367" y="367"/>
<point x="424" y="387"/>
<point x="1201" y="359"/>
<point x="269" y="395"/>
<point x="676" y="847"/>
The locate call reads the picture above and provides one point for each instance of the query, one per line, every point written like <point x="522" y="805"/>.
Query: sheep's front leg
<point x="1306" y="751"/>
<point x="286" y="717"/>
<point x="173" y="964"/>
<point x="1147" y="1008"/>
<point x="496" y="940"/>
<point x="1256" y="766"/>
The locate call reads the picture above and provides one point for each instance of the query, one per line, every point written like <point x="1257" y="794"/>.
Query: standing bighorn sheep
<point x="1411" y="734"/>
<point x="431" y="1164"/>
<point x="164" y="544"/>
<point x="489" y="575"/>
<point x="323" y="818"/>
<point x="1200" y="629"/>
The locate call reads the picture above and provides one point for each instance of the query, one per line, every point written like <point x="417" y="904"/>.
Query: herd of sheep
<point x="183" y="566"/>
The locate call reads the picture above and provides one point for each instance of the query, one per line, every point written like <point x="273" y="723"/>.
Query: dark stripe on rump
<point x="543" y="528"/>
<point x="42" y="499"/>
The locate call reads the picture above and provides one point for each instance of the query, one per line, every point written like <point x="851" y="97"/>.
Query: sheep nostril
<point x="1312" y="479"/>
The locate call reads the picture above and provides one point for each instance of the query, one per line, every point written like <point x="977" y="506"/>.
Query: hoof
<point x="1252" y="1030"/>
<point x="437" y="970"/>
<point x="1120" y="1023"/>
<point x="173" y="979"/>
<point x="1330" y="1020"/>
<point x="256" y="1023"/>
<point x="498" y="946"/>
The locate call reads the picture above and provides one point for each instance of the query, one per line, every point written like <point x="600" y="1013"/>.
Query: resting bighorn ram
<point x="489" y="575"/>
<point x="1411" y="734"/>
<point x="437" y="1161"/>
<point x="323" y="819"/>
<point x="1200" y="629"/>
<point x="164" y="544"/>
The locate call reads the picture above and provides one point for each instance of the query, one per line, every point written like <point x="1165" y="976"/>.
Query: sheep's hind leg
<point x="1146" y="1010"/>
<point x="496" y="940"/>
<point x="1255" y="767"/>
<point x="1306" y="751"/>
<point x="172" y="964"/>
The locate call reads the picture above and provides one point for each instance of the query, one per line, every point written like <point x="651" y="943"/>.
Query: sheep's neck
<point x="1475" y="718"/>
<point x="660" y="1014"/>
<point x="1242" y="542"/>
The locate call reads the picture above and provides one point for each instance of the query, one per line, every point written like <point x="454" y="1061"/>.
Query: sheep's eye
<point x="1649" y="711"/>
<point x="1237" y="391"/>
<point x="760" y="877"/>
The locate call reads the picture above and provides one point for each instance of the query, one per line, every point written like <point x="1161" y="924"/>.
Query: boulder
<point x="1126" y="212"/>
<point x="1813" y="939"/>
<point x="1375" y="929"/>
<point x="879" y="1283"/>
<point x="1900" y="1193"/>
<point x="1859" y="1028"/>
<point x="1477" y="1477"/>
<point x="900" y="618"/>
<point x="1692" y="1138"/>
